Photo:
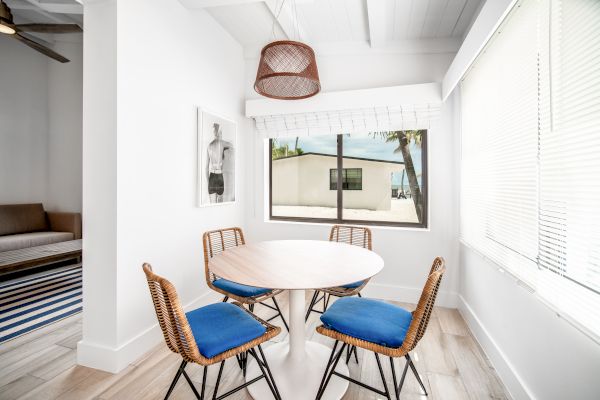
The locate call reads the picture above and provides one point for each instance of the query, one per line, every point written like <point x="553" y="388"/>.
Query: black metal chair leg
<point x="349" y="351"/>
<point x="176" y="378"/>
<point x="385" y="386"/>
<point x="280" y="314"/>
<point x="218" y="379"/>
<point x="245" y="363"/>
<point x="268" y="370"/>
<point x="414" y="370"/>
<point x="312" y="304"/>
<point x="225" y="299"/>
<point x="335" y="363"/>
<point x="403" y="377"/>
<point x="359" y="295"/>
<point x="203" y="383"/>
<point x="394" y="378"/>
<point x="327" y="366"/>
<point x="274" y="391"/>
<point x="189" y="381"/>
<point x="326" y="299"/>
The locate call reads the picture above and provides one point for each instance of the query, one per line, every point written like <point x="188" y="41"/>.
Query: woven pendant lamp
<point x="287" y="71"/>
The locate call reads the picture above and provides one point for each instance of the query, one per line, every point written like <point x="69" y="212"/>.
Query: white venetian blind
<point x="530" y="175"/>
<point x="499" y="146"/>
<point x="569" y="251"/>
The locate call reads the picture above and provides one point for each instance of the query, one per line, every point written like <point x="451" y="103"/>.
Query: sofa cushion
<point x="22" y="218"/>
<point x="23" y="240"/>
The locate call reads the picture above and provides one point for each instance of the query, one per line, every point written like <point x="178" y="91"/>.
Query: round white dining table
<point x="296" y="265"/>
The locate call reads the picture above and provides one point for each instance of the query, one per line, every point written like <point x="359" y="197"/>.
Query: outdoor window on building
<point x="351" y="179"/>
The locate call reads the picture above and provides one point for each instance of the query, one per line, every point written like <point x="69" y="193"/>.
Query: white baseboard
<point x="406" y="294"/>
<point x="116" y="359"/>
<point x="513" y="382"/>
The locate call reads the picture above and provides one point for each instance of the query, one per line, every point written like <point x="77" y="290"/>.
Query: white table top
<point x="296" y="264"/>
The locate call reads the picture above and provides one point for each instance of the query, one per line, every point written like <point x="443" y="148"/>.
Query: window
<point x="529" y="167"/>
<point x="383" y="179"/>
<point x="351" y="179"/>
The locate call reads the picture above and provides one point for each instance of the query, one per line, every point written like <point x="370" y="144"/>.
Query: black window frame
<point x="345" y="182"/>
<point x="424" y="224"/>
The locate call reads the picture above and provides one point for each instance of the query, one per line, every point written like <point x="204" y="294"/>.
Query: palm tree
<point x="404" y="139"/>
<point x="282" y="151"/>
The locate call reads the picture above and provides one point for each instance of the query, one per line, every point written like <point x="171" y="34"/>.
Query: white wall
<point x="154" y="78"/>
<point x="65" y="92"/>
<point x="537" y="354"/>
<point x="40" y="129"/>
<point x="23" y="123"/>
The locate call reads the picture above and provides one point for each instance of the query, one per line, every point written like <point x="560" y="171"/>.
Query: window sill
<point x="370" y="226"/>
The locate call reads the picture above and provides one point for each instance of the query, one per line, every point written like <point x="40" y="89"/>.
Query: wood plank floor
<point x="42" y="365"/>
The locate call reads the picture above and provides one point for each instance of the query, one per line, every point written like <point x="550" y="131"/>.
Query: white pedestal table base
<point x="298" y="381"/>
<point x="297" y="365"/>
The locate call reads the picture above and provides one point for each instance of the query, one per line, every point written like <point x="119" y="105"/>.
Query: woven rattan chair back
<point x="171" y="318"/>
<point x="217" y="241"/>
<point x="355" y="235"/>
<point x="424" y="308"/>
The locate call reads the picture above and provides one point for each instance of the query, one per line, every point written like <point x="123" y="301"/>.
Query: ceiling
<point x="347" y="25"/>
<point x="46" y="12"/>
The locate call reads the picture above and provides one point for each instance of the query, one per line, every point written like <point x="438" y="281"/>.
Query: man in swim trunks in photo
<point x="214" y="165"/>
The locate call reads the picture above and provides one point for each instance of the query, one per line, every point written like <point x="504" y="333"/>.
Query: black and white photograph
<point x="216" y="159"/>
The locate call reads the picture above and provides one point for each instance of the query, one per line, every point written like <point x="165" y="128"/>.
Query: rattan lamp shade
<point x="287" y="71"/>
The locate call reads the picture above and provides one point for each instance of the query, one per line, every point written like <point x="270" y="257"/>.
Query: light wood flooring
<point x="42" y="365"/>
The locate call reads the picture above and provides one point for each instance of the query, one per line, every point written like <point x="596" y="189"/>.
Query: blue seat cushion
<point x="371" y="320"/>
<point x="352" y="285"/>
<point x="239" y="289"/>
<point x="221" y="327"/>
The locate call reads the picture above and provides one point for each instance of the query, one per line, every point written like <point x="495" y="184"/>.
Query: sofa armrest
<point x="65" y="222"/>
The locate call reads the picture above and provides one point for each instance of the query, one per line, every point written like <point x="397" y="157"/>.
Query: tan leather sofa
<point x="28" y="225"/>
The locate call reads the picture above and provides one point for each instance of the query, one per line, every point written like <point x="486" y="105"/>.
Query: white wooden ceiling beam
<point x="490" y="17"/>
<point x="376" y="16"/>
<point x="58" y="7"/>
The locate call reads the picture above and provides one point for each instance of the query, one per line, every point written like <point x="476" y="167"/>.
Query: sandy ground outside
<point x="402" y="210"/>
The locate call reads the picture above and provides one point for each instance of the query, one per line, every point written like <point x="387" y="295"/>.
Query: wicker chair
<point x="216" y="242"/>
<point x="183" y="339"/>
<point x="415" y="325"/>
<point x="355" y="235"/>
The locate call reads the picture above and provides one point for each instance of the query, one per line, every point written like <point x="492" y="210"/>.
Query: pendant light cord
<point x="276" y="17"/>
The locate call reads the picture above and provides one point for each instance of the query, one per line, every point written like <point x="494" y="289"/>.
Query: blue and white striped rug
<point x="34" y="301"/>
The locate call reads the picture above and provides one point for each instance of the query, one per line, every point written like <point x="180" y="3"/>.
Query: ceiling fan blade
<point x="42" y="49"/>
<point x="49" y="28"/>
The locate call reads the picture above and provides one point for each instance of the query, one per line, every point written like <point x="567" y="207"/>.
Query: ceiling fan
<point x="8" y="27"/>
